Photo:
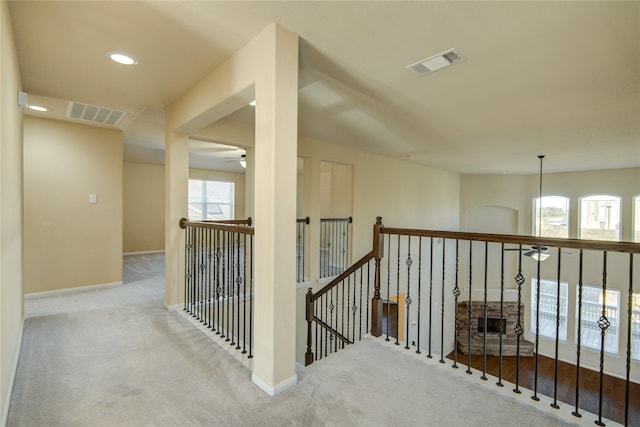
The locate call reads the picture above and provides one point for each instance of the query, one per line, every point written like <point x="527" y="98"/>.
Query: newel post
<point x="308" y="356"/>
<point x="376" y="302"/>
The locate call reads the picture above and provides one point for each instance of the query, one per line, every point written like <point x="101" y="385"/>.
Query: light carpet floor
<point x="117" y="357"/>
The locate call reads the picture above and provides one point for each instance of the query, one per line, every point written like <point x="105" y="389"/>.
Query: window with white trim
<point x="549" y="307"/>
<point x="600" y="217"/>
<point x="592" y="301"/>
<point x="554" y="215"/>
<point x="210" y="200"/>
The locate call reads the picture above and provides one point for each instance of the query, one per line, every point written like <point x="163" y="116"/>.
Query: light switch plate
<point x="93" y="198"/>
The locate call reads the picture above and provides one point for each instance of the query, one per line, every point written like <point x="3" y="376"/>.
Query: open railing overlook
<point x="554" y="317"/>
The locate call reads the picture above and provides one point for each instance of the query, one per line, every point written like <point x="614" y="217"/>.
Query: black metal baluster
<point x="388" y="285"/>
<point x="555" y="377"/>
<point x="360" y="303"/>
<point x="629" y="316"/>
<point x="209" y="276"/>
<point x="444" y="242"/>
<point x="326" y="310"/>
<point x="232" y="286"/>
<point x="537" y="344"/>
<point x="244" y="297"/>
<point x="219" y="268"/>
<point x="485" y="313"/>
<point x="251" y="299"/>
<point x="518" y="329"/>
<point x="354" y="308"/>
<point x="576" y="412"/>
<point x="238" y="286"/>
<point x="419" y="293"/>
<point x="469" y="307"/>
<point x="502" y="320"/>
<point x="315" y="310"/>
<point x="186" y="266"/>
<point x="398" y="295"/>
<point x="348" y="304"/>
<point x="456" y="294"/>
<point x="408" y="298"/>
<point x="604" y="324"/>
<point x="342" y="316"/>
<point x="366" y="316"/>
<point x="430" y="295"/>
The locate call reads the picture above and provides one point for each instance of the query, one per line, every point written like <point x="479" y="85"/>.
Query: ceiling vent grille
<point x="437" y="62"/>
<point x="94" y="113"/>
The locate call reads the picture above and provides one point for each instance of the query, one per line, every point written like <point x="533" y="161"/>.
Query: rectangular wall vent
<point x="436" y="62"/>
<point x="94" y="113"/>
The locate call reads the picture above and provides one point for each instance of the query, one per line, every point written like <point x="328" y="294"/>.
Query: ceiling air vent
<point x="436" y="62"/>
<point x="95" y="114"/>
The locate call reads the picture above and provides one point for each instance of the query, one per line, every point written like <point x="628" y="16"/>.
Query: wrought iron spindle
<point x="232" y="286"/>
<point x="360" y="303"/>
<point x="251" y="300"/>
<point x="628" y="366"/>
<point x="408" y="299"/>
<point x="419" y="293"/>
<point x="519" y="330"/>
<point x="354" y="308"/>
<point x="430" y="295"/>
<point x="603" y="324"/>
<point x="576" y="412"/>
<point x="388" y="285"/>
<point x="244" y="299"/>
<point x="397" y="294"/>
<point x="537" y="339"/>
<point x="555" y="371"/>
<point x="485" y="313"/>
<point x="209" y="276"/>
<point x="469" y="307"/>
<point x="456" y="294"/>
<point x="219" y="268"/>
<point x="444" y="242"/>
<point x="239" y="280"/>
<point x="502" y="322"/>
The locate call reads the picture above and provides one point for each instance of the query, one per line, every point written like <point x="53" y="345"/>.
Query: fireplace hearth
<point x="496" y="326"/>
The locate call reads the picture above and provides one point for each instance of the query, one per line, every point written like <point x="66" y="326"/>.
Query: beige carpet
<point x="116" y="359"/>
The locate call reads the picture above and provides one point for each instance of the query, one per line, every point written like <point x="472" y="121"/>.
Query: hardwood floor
<point x="613" y="388"/>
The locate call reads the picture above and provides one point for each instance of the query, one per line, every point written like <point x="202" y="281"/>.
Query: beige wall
<point x="11" y="223"/>
<point x="238" y="187"/>
<point x="143" y="207"/>
<point x="69" y="242"/>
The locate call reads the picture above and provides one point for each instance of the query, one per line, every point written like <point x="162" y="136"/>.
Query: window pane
<point x="592" y="300"/>
<point x="548" y="308"/>
<point x="555" y="217"/>
<point x="211" y="200"/>
<point x="600" y="218"/>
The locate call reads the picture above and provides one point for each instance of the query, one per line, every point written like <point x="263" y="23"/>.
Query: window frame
<point x="581" y="214"/>
<point x="534" y="223"/>
<point x="204" y="202"/>
<point x="563" y="313"/>
<point x="615" y="324"/>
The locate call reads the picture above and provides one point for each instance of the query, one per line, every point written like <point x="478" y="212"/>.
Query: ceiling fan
<point x="242" y="160"/>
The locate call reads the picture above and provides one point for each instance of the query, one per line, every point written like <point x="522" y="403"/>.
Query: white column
<point x="276" y="90"/>
<point x="176" y="199"/>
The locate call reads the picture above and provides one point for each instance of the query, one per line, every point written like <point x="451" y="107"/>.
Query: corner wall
<point x="68" y="241"/>
<point x="11" y="223"/>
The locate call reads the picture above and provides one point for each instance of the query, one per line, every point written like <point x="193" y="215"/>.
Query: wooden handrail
<point x="241" y="229"/>
<point x="331" y="330"/>
<point x="362" y="261"/>
<point x="247" y="221"/>
<point x="628" y="247"/>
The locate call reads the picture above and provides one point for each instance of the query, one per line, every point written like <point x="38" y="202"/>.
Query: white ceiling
<point x="554" y="78"/>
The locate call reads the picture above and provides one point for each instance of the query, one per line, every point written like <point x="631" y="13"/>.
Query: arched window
<point x="554" y="214"/>
<point x="600" y="217"/>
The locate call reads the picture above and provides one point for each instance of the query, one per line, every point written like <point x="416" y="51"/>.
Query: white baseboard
<point x="14" y="370"/>
<point x="72" y="290"/>
<point x="143" y="253"/>
<point x="278" y="388"/>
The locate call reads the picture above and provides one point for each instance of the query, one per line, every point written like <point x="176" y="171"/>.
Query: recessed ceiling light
<point x="38" y="108"/>
<point x="253" y="103"/>
<point x="437" y="62"/>
<point x="121" y="58"/>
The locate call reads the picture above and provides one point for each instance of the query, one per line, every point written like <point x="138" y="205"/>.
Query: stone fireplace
<point x="495" y="325"/>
